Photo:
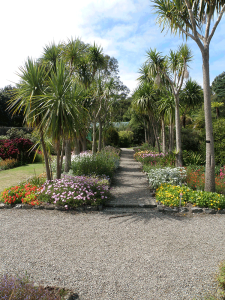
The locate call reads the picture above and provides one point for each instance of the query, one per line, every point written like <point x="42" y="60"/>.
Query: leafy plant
<point x="159" y="176"/>
<point x="103" y="163"/>
<point x="192" y="158"/>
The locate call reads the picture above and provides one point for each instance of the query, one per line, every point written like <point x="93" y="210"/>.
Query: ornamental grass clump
<point x="17" y="288"/>
<point x="170" y="195"/>
<point x="74" y="191"/>
<point x="158" y="176"/>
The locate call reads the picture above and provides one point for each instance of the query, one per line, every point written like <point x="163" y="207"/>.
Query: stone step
<point x="134" y="205"/>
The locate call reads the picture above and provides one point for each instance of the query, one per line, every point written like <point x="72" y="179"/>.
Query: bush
<point x="150" y="159"/>
<point x="103" y="163"/>
<point x="158" y="176"/>
<point x="74" y="191"/>
<point x="18" y="148"/>
<point x="8" y="163"/>
<point x="17" y="288"/>
<point x="111" y="137"/>
<point x="170" y="195"/>
<point x="219" y="141"/>
<point x="192" y="158"/>
<point x="190" y="140"/>
<point x="125" y="138"/>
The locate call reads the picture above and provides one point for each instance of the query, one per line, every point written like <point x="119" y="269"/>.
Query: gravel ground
<point x="143" y="256"/>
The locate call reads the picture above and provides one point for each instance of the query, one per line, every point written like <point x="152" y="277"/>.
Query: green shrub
<point x="192" y="158"/>
<point x="125" y="138"/>
<point x="219" y="141"/>
<point x="111" y="137"/>
<point x="103" y="163"/>
<point x="190" y="139"/>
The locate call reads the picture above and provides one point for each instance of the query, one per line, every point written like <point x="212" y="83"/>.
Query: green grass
<point x="14" y="176"/>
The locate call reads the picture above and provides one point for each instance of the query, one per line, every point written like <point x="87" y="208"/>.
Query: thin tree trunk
<point x="67" y="156"/>
<point x="210" y="156"/>
<point x="76" y="146"/>
<point x="179" y="162"/>
<point x="94" y="138"/>
<point x="58" y="165"/>
<point x="163" y="137"/>
<point x="171" y="135"/>
<point x="100" y="136"/>
<point x="48" y="173"/>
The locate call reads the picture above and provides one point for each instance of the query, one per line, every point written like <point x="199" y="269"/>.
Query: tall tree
<point x="173" y="69"/>
<point x="191" y="96"/>
<point x="193" y="19"/>
<point x="31" y="86"/>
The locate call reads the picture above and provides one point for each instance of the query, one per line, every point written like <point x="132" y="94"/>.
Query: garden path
<point x="130" y="186"/>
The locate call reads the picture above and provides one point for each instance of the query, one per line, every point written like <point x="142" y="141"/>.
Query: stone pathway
<point x="130" y="186"/>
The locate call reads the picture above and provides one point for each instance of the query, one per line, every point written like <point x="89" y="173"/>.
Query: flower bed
<point x="170" y="195"/>
<point x="68" y="192"/>
<point x="74" y="191"/>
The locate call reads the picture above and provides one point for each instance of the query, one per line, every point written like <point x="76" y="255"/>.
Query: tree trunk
<point x="58" y="164"/>
<point x="179" y="162"/>
<point x="184" y="120"/>
<point x="48" y="173"/>
<point x="210" y="156"/>
<point x="67" y="156"/>
<point x="100" y="136"/>
<point x="94" y="138"/>
<point x="163" y="137"/>
<point x="76" y="146"/>
<point x="84" y="141"/>
<point x="171" y="135"/>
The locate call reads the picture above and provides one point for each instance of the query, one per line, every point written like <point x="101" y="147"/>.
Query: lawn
<point x="14" y="176"/>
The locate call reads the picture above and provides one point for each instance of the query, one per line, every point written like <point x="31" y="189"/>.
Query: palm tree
<point x="146" y="97"/>
<point x="172" y="68"/>
<point x="191" y="96"/>
<point x="192" y="18"/>
<point x="32" y="85"/>
<point x="59" y="109"/>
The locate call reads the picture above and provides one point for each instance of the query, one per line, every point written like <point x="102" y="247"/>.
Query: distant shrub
<point x="8" y="163"/>
<point x="18" y="148"/>
<point x="111" y="137"/>
<point x="125" y="138"/>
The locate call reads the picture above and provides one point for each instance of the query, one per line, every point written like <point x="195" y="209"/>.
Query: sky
<point x="125" y="29"/>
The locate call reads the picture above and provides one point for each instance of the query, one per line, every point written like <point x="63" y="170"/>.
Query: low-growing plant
<point x="154" y="159"/>
<point x="74" y="191"/>
<point x="170" y="195"/>
<point x="19" y="288"/>
<point x="158" y="176"/>
<point x="8" y="163"/>
<point x="24" y="193"/>
<point x="221" y="279"/>
<point x="192" y="158"/>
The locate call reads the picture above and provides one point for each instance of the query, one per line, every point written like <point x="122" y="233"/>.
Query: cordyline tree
<point x="173" y="69"/>
<point x="193" y="18"/>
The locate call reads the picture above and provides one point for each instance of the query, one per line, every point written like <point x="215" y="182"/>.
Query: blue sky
<point x="125" y="29"/>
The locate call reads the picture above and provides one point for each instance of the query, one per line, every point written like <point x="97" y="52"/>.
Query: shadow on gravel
<point x="125" y="216"/>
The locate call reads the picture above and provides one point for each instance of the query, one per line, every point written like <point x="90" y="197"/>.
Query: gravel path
<point x="104" y="256"/>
